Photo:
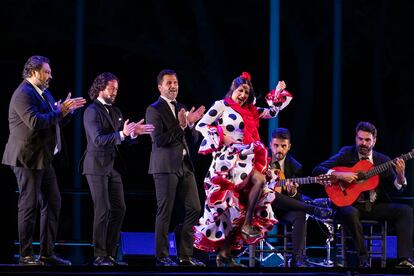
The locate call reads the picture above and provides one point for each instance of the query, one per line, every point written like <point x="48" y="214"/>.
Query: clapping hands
<point x="141" y="128"/>
<point x="70" y="104"/>
<point x="182" y="120"/>
<point x="195" y="115"/>
<point x="137" y="128"/>
<point x="192" y="116"/>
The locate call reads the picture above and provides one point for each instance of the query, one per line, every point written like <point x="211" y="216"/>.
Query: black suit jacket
<point x="32" y="125"/>
<point x="103" y="137"/>
<point x="292" y="167"/>
<point x="348" y="157"/>
<point x="168" y="138"/>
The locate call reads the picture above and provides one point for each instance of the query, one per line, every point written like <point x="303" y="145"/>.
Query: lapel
<point x="106" y="114"/>
<point x="292" y="167"/>
<point x="376" y="159"/>
<point x="165" y="109"/>
<point x="48" y="99"/>
<point x="287" y="170"/>
<point x="44" y="105"/>
<point x="355" y="156"/>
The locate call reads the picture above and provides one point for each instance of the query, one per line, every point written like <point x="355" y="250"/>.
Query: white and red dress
<point x="226" y="184"/>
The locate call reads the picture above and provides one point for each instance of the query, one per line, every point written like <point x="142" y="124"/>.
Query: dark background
<point x="209" y="43"/>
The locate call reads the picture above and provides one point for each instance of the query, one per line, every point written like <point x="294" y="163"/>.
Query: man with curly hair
<point x="105" y="130"/>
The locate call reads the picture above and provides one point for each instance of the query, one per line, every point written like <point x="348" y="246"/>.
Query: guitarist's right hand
<point x="346" y="176"/>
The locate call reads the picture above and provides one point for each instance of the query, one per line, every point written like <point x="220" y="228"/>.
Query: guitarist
<point x="288" y="205"/>
<point x="374" y="204"/>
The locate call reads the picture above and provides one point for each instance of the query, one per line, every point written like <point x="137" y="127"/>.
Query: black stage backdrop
<point x="209" y="43"/>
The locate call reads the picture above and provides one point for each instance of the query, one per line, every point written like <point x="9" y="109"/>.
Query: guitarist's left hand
<point x="399" y="165"/>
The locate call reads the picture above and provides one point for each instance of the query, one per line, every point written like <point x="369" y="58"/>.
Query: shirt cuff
<point x="122" y="135"/>
<point x="398" y="185"/>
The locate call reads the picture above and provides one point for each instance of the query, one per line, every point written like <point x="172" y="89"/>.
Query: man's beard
<point x="43" y="84"/>
<point x="364" y="150"/>
<point x="280" y="156"/>
<point x="109" y="100"/>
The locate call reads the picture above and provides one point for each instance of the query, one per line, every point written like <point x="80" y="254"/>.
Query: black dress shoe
<point x="116" y="262"/>
<point x="29" y="261"/>
<point x="165" y="262"/>
<point x="322" y="213"/>
<point x="364" y="264"/>
<point x="190" y="261"/>
<point x="231" y="262"/>
<point x="227" y="262"/>
<point x="405" y="263"/>
<point x="102" y="261"/>
<point x="54" y="260"/>
<point x="249" y="231"/>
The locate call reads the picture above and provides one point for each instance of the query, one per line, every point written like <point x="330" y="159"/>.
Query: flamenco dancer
<point x="237" y="208"/>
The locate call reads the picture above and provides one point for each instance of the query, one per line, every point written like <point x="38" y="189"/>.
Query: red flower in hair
<point x="246" y="76"/>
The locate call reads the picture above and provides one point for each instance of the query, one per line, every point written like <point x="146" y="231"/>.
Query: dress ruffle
<point x="227" y="193"/>
<point x="213" y="141"/>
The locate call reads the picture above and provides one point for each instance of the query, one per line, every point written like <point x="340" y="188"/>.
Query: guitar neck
<point x="300" y="180"/>
<point x="385" y="166"/>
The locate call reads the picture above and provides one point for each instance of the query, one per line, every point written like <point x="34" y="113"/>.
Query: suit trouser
<point x="37" y="187"/>
<point x="399" y="215"/>
<point x="109" y="211"/>
<point x="169" y="186"/>
<point x="292" y="211"/>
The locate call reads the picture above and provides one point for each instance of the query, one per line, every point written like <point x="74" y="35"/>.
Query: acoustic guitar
<point x="323" y="179"/>
<point x="344" y="194"/>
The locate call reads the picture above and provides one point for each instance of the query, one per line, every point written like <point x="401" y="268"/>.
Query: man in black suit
<point x="289" y="204"/>
<point x="105" y="130"/>
<point x="375" y="204"/>
<point x="34" y="123"/>
<point x="172" y="168"/>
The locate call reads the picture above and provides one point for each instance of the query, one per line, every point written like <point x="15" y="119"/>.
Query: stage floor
<point x="8" y="269"/>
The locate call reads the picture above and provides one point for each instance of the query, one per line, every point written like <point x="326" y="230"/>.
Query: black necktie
<point x="174" y="103"/>
<point x="57" y="127"/>
<point x="277" y="165"/>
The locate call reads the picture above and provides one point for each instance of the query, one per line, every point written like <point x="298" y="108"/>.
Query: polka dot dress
<point x="226" y="183"/>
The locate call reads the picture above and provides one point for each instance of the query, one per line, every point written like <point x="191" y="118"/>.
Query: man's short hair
<point x="367" y="127"/>
<point x="281" y="133"/>
<point x="34" y="63"/>
<point x="163" y="73"/>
